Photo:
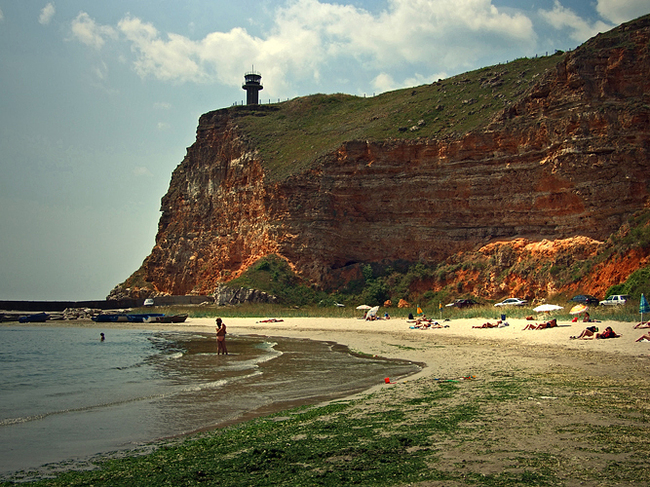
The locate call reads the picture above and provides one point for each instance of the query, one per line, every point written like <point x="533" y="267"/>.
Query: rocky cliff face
<point x="568" y="159"/>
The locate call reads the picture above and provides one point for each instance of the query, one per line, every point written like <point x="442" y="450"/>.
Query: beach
<point x="394" y="338"/>
<point x="458" y="349"/>
<point x="501" y="406"/>
<point x="509" y="405"/>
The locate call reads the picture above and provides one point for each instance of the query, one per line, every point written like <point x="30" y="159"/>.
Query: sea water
<point x="65" y="395"/>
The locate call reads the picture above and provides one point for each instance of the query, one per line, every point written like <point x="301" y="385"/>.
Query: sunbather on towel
<point x="608" y="333"/>
<point x="488" y="325"/>
<point x="644" y="338"/>
<point x="586" y="334"/>
<point x="643" y="324"/>
<point x="549" y="324"/>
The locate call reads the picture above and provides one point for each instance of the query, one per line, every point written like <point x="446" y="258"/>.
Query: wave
<point x="37" y="417"/>
<point x="170" y="393"/>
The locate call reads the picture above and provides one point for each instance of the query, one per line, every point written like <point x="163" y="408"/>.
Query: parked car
<point x="615" y="299"/>
<point x="512" y="302"/>
<point x="462" y="303"/>
<point x="585" y="299"/>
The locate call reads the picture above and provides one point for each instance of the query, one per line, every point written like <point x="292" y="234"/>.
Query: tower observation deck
<point x="252" y="85"/>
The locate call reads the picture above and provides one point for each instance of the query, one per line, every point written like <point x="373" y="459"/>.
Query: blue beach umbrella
<point x="644" y="307"/>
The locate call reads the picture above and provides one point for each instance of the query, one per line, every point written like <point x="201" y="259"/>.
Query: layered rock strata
<point x="570" y="158"/>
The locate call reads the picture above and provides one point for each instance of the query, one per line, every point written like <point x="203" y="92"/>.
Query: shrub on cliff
<point x="274" y="276"/>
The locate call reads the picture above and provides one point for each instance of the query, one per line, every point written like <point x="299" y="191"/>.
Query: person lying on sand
<point x="549" y="324"/>
<point x="586" y="334"/>
<point x="425" y="323"/>
<point x="488" y="325"/>
<point x="271" y="320"/>
<point x="643" y="324"/>
<point x="644" y="338"/>
<point x="608" y="333"/>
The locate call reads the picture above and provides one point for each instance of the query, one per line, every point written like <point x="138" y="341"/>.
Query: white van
<point x="615" y="299"/>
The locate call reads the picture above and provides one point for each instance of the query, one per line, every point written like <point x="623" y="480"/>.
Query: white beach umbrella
<point x="363" y="306"/>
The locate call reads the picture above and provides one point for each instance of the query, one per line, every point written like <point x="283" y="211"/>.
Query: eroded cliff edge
<point x="567" y="158"/>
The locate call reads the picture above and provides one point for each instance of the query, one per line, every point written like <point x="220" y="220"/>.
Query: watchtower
<point x="252" y="85"/>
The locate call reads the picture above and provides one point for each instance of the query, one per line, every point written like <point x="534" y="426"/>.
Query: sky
<point x="99" y="100"/>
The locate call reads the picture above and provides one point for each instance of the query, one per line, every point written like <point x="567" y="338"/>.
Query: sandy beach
<point x="458" y="349"/>
<point x="515" y="406"/>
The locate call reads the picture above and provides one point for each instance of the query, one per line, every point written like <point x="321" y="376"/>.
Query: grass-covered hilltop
<point x="292" y="135"/>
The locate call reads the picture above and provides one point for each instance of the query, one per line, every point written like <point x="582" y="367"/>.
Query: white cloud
<point x="162" y="105"/>
<point x="618" y="11"/>
<point x="564" y="18"/>
<point x="87" y="31"/>
<point x="385" y="82"/>
<point x="100" y="71"/>
<point x="421" y="33"/>
<point x="2" y="16"/>
<point x="142" y="171"/>
<point x="309" y="35"/>
<point x="46" y="14"/>
<point x="172" y="59"/>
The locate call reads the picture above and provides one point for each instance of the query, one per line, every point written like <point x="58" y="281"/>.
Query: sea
<point x="67" y="397"/>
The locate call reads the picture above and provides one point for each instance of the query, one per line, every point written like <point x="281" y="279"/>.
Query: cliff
<point x="539" y="150"/>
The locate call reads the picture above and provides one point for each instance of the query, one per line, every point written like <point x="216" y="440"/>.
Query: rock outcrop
<point x="225" y="295"/>
<point x="568" y="159"/>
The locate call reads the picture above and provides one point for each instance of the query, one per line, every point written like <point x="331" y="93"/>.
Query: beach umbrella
<point x="372" y="312"/>
<point x="578" y="308"/>
<point x="363" y="307"/>
<point x="643" y="306"/>
<point x="545" y="308"/>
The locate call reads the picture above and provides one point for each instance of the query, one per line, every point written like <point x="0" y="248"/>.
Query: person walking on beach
<point x="221" y="337"/>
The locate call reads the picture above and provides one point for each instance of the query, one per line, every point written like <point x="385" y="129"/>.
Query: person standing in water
<point x="221" y="337"/>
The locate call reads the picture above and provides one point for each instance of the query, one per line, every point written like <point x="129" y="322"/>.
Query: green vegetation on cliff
<point x="293" y="134"/>
<point x="274" y="276"/>
<point x="459" y="276"/>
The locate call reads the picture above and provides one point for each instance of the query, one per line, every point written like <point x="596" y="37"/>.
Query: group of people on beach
<point x="646" y="337"/>
<point x="424" y="323"/>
